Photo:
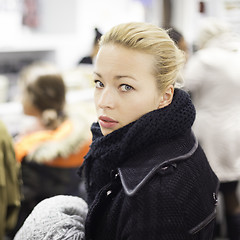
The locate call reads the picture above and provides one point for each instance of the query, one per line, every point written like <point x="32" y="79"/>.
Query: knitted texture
<point x="154" y="127"/>
<point x="172" y="203"/>
<point x="60" y="217"/>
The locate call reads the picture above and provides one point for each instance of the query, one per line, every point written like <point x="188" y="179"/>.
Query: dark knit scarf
<point x="108" y="152"/>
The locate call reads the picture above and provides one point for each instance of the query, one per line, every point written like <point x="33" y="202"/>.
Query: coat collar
<point x="135" y="173"/>
<point x="115" y="150"/>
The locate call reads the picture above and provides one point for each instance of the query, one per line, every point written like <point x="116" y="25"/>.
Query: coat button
<point x="215" y="199"/>
<point x="114" y="174"/>
<point x="90" y="184"/>
<point x="109" y="192"/>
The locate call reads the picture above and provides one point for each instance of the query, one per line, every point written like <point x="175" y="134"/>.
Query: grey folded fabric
<point x="60" y="217"/>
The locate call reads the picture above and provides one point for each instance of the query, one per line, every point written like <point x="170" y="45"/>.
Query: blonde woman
<point x="146" y="175"/>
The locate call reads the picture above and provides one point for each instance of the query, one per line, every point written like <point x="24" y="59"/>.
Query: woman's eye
<point x="125" y="87"/>
<point x="98" y="84"/>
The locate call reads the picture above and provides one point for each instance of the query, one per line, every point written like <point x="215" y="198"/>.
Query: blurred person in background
<point x="179" y="40"/>
<point x="181" y="43"/>
<point x="9" y="183"/>
<point x="50" y="151"/>
<point x="91" y="58"/>
<point x="212" y="75"/>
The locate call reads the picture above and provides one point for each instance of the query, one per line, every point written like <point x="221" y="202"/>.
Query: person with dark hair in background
<point x="51" y="151"/>
<point x="90" y="59"/>
<point x="10" y="182"/>
<point x="179" y="40"/>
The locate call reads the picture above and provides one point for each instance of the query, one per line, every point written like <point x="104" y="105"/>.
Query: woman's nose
<point x="106" y="99"/>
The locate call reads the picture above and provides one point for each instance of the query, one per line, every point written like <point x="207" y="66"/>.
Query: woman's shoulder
<point x="179" y="159"/>
<point x="187" y="188"/>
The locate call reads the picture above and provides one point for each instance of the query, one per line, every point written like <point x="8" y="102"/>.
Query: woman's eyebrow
<point x="98" y="74"/>
<point x="118" y="77"/>
<point x="124" y="76"/>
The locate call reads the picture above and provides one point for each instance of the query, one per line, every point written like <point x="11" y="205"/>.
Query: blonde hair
<point x="152" y="40"/>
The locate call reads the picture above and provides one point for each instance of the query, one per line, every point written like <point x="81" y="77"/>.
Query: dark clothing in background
<point x="86" y="60"/>
<point x="50" y="160"/>
<point x="41" y="182"/>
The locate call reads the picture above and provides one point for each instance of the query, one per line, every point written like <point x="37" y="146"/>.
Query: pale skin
<point x="28" y="107"/>
<point x="125" y="87"/>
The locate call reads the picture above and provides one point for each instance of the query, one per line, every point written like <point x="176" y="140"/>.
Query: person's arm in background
<point x="9" y="183"/>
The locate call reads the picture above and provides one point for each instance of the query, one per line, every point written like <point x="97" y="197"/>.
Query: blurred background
<point x="62" y="32"/>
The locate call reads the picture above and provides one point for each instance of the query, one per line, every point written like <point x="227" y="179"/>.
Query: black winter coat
<point x="151" y="179"/>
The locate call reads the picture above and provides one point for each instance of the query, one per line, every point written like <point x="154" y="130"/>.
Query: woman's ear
<point x="166" y="97"/>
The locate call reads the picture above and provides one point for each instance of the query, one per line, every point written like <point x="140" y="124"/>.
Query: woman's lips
<point x="107" y="122"/>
